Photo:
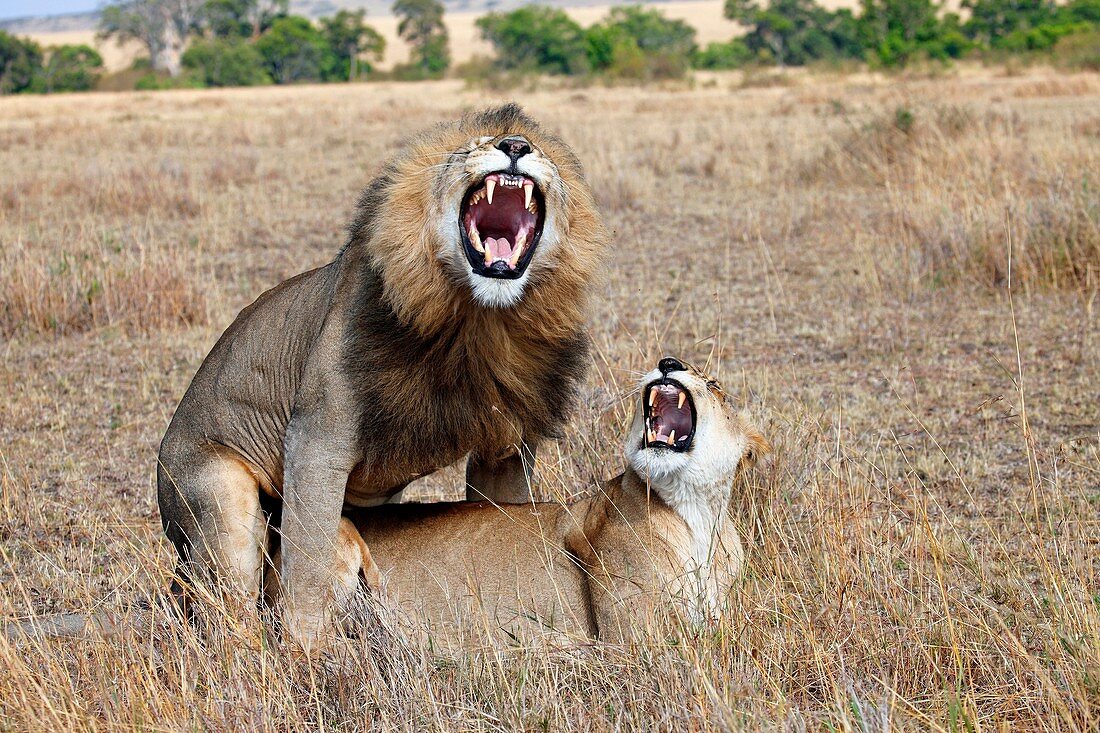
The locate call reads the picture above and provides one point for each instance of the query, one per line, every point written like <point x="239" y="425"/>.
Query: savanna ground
<point x="898" y="278"/>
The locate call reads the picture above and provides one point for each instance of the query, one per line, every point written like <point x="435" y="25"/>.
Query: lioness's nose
<point x="514" y="147"/>
<point x="668" y="364"/>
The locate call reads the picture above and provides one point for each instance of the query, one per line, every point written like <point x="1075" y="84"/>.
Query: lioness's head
<point x="491" y="208"/>
<point x="687" y="431"/>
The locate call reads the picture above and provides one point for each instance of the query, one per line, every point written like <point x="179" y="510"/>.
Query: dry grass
<point x="923" y="542"/>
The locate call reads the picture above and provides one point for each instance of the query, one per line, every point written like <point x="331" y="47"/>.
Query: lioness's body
<point x="341" y="385"/>
<point x="595" y="568"/>
<point x="657" y="537"/>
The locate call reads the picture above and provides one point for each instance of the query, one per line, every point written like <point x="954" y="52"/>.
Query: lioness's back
<point x="468" y="564"/>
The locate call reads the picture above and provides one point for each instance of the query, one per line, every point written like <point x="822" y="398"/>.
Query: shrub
<point x="70" y="69"/>
<point x="637" y="43"/>
<point x="20" y="63"/>
<point x="226" y="62"/>
<point x="1079" y="50"/>
<point x="536" y="38"/>
<point x="716" y="55"/>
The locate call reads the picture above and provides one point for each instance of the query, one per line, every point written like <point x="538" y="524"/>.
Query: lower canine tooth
<point x="671" y="437"/>
<point x="683" y="396"/>
<point x="518" y="252"/>
<point x="489" y="186"/>
<point x="652" y="437"/>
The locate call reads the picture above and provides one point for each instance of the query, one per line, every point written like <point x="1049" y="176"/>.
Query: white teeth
<point x="652" y="396"/>
<point x="475" y="239"/>
<point x="518" y="251"/>
<point x="528" y="189"/>
<point x="683" y="396"/>
<point x="488" y="255"/>
<point x="671" y="438"/>
<point x="652" y="437"/>
<point x="682" y="439"/>
<point x="490" y="185"/>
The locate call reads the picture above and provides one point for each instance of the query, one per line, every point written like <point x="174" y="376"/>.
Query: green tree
<point x="20" y="63"/>
<point x="795" y="32"/>
<point x="70" y="69"/>
<point x="243" y="18"/>
<point x="895" y="31"/>
<point x="652" y="31"/>
<point x="226" y="62"/>
<point x="350" y="40"/>
<point x="162" y="26"/>
<point x="992" y="20"/>
<point x="294" y="50"/>
<point x="538" y="38"/>
<point x="421" y="26"/>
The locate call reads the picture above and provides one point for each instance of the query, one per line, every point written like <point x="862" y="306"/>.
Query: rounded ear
<point x="756" y="445"/>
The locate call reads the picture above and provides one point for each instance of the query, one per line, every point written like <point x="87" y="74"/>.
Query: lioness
<point x="451" y="323"/>
<point x="657" y="535"/>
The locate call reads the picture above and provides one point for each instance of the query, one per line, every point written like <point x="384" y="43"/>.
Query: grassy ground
<point x="899" y="279"/>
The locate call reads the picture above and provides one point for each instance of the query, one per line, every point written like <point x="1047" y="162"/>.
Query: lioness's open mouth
<point x="669" y="414"/>
<point x="501" y="222"/>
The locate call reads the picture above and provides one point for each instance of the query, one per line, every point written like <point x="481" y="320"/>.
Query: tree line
<point x="250" y="42"/>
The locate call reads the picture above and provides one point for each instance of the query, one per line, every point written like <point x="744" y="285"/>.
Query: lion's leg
<point x="505" y="480"/>
<point x="354" y="566"/>
<point x="210" y="507"/>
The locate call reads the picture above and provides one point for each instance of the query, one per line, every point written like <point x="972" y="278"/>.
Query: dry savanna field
<point x="897" y="276"/>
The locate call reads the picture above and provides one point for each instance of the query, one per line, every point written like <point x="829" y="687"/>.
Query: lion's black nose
<point x="514" y="147"/>
<point x="668" y="364"/>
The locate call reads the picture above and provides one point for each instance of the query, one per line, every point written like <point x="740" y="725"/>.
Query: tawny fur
<point x="343" y="384"/>
<point x="602" y="567"/>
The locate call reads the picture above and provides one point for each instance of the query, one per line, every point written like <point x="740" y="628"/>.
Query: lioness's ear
<point x="756" y="445"/>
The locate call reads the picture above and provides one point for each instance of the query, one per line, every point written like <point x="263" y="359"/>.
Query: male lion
<point x="657" y="538"/>
<point x="451" y="323"/>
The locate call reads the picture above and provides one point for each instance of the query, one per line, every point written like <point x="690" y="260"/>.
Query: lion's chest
<point x="402" y="443"/>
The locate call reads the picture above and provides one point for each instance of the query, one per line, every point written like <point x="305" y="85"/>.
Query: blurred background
<point x="148" y="44"/>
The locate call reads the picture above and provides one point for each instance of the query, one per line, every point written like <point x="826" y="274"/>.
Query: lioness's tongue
<point x="499" y="247"/>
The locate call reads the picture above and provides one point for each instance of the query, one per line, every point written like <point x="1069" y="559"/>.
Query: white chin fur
<point x="496" y="292"/>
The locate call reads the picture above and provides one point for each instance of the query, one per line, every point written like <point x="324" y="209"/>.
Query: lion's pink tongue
<point x="499" y="247"/>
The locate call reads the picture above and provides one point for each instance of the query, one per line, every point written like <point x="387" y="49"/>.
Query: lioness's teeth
<point x="475" y="239"/>
<point x="652" y="437"/>
<point x="489" y="186"/>
<point x="533" y="209"/>
<point x="671" y="437"/>
<point x="520" y="241"/>
<point x="528" y="189"/>
<point x="488" y="256"/>
<point x="683" y="396"/>
<point x="652" y="396"/>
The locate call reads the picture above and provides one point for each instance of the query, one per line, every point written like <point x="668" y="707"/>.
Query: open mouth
<point x="501" y="222"/>
<point x="669" y="415"/>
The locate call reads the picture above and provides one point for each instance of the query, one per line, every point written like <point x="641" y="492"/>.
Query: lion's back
<point x="243" y="392"/>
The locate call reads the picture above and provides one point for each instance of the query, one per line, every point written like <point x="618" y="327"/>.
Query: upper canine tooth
<point x="528" y="189"/>
<point x="489" y="186"/>
<point x="683" y="396"/>
<point x="671" y="437"/>
<point x="652" y="396"/>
